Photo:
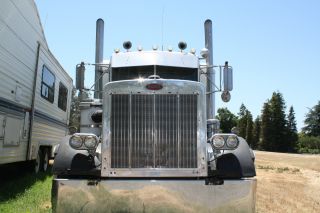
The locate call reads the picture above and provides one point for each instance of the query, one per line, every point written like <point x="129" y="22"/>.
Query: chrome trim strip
<point x="91" y="125"/>
<point x="43" y="116"/>
<point x="10" y="107"/>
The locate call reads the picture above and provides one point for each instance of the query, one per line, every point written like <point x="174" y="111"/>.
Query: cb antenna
<point x="162" y="28"/>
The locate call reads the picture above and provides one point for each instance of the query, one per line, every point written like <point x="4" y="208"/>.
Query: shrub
<point x="309" y="144"/>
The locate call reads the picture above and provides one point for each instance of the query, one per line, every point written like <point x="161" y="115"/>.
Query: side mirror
<point x="80" y="69"/>
<point x="227" y="78"/>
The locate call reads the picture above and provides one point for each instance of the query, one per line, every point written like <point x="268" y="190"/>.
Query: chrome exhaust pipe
<point x="210" y="70"/>
<point x="99" y="58"/>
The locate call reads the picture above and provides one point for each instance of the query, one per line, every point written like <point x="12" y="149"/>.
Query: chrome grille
<point x="154" y="131"/>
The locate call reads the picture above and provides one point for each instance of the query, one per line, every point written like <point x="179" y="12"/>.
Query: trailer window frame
<point x="62" y="97"/>
<point x="47" y="91"/>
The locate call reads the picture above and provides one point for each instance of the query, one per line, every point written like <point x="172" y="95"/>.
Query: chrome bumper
<point x="73" y="195"/>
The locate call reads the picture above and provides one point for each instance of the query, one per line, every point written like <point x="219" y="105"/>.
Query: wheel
<point x="37" y="162"/>
<point x="45" y="160"/>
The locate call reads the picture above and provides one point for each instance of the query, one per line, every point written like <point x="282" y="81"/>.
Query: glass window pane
<point x="47" y="84"/>
<point x="182" y="73"/>
<point x="63" y="97"/>
<point x="129" y="73"/>
<point x="165" y="72"/>
<point x="44" y="91"/>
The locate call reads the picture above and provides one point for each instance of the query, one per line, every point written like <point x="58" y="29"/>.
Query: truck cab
<point x="148" y="144"/>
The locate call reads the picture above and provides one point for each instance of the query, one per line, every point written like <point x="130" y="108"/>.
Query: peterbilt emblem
<point x="154" y="86"/>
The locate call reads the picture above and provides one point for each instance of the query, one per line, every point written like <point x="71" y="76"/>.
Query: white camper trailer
<point x="35" y="90"/>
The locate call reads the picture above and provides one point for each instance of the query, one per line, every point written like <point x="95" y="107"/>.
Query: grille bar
<point x="119" y="131"/>
<point x="154" y="131"/>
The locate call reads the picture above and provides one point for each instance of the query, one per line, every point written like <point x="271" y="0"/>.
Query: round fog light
<point x="232" y="141"/>
<point x="218" y="141"/>
<point x="90" y="142"/>
<point x="75" y="142"/>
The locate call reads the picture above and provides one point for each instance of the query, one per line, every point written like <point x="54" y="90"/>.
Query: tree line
<point x="274" y="129"/>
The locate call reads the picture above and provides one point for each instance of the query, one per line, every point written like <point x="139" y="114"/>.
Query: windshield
<point x="129" y="73"/>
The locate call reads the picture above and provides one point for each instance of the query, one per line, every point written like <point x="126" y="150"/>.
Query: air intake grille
<point x="154" y="131"/>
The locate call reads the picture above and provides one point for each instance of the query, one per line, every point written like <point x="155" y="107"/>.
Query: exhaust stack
<point x="210" y="71"/>
<point x="99" y="58"/>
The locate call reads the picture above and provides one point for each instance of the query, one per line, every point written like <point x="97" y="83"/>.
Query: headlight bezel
<point x="226" y="138"/>
<point x="216" y="139"/>
<point x="74" y="138"/>
<point x="236" y="141"/>
<point x="84" y="138"/>
<point x="87" y="138"/>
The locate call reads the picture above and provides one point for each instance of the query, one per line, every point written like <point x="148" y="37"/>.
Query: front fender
<point x="69" y="161"/>
<point x="238" y="163"/>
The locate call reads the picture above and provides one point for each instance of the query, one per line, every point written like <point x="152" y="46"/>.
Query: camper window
<point x="63" y="96"/>
<point x="47" y="84"/>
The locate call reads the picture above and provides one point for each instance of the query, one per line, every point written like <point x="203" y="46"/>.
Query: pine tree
<point x="227" y="120"/>
<point x="266" y="128"/>
<point x="312" y="121"/>
<point x="242" y="121"/>
<point x="74" y="120"/>
<point x="256" y="132"/>
<point x="292" y="133"/>
<point x="249" y="128"/>
<point x="279" y="140"/>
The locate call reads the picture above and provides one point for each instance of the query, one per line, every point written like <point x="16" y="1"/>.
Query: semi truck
<point x="149" y="140"/>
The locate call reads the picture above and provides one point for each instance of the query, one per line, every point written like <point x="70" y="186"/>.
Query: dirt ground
<point x="287" y="182"/>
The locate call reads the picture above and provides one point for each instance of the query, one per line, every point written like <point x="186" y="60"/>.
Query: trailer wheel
<point x="37" y="162"/>
<point x="45" y="160"/>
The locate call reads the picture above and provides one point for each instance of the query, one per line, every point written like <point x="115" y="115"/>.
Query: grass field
<point x="286" y="183"/>
<point x="21" y="191"/>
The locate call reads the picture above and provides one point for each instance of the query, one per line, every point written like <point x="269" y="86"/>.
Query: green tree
<point x="292" y="133"/>
<point x="256" y="132"/>
<point x="242" y="121"/>
<point x="279" y="141"/>
<point x="312" y="121"/>
<point x="74" y="120"/>
<point x="227" y="119"/>
<point x="266" y="128"/>
<point x="249" y="128"/>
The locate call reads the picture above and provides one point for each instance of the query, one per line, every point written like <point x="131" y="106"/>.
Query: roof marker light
<point x="193" y="51"/>
<point x="140" y="48"/>
<point x="116" y="50"/>
<point x="170" y="48"/>
<point x="155" y="47"/>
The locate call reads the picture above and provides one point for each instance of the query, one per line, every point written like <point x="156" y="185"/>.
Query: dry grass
<point x="288" y="182"/>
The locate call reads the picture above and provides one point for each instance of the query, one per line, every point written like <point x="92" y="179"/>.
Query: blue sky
<point x="272" y="45"/>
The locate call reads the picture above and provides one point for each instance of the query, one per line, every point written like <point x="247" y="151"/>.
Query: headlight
<point x="90" y="142"/>
<point x="75" y="142"/>
<point x="218" y="141"/>
<point x="232" y="141"/>
<point x="223" y="141"/>
<point x="84" y="141"/>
